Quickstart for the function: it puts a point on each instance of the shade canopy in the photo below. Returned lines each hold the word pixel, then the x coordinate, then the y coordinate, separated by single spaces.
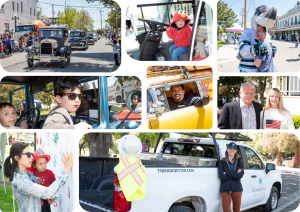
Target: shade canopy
pixel 235 29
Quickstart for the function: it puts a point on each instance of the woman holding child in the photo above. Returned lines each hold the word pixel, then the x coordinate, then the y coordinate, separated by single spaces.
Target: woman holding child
pixel 275 116
pixel 26 187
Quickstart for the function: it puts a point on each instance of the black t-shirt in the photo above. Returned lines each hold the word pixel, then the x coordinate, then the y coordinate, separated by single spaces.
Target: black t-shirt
pixel 188 101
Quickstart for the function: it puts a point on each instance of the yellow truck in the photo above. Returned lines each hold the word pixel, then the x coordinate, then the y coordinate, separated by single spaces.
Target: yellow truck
pixel 160 80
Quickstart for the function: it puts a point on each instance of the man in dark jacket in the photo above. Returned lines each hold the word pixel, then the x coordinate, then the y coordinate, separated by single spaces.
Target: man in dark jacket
pixel 179 100
pixel 242 114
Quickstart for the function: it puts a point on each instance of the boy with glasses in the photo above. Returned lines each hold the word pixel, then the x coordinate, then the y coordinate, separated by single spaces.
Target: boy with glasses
pixel 68 95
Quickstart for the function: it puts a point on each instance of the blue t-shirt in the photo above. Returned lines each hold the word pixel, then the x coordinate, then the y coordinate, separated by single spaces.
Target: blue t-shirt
pixel 267 64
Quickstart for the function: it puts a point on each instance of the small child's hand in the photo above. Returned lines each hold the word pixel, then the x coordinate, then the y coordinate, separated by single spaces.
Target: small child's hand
pixel 23 124
pixel 168 28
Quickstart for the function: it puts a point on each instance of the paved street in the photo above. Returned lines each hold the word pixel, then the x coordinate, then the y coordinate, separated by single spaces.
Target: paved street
pixel 286 59
pixel 98 58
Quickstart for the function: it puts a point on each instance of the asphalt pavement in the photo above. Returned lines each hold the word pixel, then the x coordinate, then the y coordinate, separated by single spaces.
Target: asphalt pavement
pixel 286 59
pixel 288 201
pixel 98 58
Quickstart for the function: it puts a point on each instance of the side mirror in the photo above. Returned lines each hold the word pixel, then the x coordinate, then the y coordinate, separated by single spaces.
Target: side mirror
pixel 131 125
pixel 134 101
pixel 158 107
pixel 270 167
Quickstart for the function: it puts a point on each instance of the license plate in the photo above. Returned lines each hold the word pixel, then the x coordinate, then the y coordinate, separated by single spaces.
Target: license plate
pixel 36 57
pixel 45 59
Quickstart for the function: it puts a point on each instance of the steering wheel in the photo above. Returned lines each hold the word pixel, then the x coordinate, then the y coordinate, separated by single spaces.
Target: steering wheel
pixel 153 24
pixel 30 123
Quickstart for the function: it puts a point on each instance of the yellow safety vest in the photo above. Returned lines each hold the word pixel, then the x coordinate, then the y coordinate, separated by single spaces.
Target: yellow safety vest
pixel 132 177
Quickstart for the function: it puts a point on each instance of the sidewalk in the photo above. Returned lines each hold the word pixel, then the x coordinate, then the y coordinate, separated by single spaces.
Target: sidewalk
pixel 284 169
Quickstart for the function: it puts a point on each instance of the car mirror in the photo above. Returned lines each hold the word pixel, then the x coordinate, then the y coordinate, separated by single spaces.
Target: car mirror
pixel 134 101
pixel 270 167
pixel 159 107
pixel 166 86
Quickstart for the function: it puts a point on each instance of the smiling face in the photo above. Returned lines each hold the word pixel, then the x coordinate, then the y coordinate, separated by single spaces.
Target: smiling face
pixel 8 116
pixel 260 33
pixel 247 95
pixel 180 23
pixel 231 152
pixel 177 93
pixel 23 160
pixel 135 99
pixel 40 164
pixel 274 99
pixel 69 105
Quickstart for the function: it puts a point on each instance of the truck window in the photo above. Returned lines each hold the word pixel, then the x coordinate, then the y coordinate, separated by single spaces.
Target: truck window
pixel 188 149
pixel 253 160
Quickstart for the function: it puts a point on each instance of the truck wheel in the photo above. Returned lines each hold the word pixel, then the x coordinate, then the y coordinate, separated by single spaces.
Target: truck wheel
pixel 272 201
pixel 29 62
pixel 181 208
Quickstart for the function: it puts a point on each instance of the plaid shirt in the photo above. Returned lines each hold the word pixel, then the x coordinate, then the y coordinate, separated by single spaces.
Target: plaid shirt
pixel 248 116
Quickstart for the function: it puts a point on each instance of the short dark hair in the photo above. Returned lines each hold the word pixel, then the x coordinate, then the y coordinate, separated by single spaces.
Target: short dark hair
pixel 6 104
pixel 204 40
pixel 264 28
pixel 65 83
pixel 114 42
pixel 177 85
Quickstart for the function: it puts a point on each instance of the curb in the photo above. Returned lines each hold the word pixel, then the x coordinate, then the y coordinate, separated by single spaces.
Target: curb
pixel 286 205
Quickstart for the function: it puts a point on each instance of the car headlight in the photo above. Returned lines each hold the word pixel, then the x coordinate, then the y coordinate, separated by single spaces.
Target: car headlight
pixel 55 46
pixel 36 45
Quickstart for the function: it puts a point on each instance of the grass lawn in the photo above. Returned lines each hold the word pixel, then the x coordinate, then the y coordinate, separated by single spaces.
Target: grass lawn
pixel 6 200
pixel 221 43
pixel 44 112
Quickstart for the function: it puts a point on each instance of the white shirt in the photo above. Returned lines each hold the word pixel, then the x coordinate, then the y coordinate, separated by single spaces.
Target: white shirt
pixel 273 119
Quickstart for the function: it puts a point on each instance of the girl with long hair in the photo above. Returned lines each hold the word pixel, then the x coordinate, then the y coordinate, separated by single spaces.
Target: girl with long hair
pixel 135 104
pixel 25 185
pixel 275 116
pixel 230 171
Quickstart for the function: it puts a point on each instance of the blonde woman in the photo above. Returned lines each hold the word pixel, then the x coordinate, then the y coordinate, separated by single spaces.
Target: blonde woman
pixel 275 116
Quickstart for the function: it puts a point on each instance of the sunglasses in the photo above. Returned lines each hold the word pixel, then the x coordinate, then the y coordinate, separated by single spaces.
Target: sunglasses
pixel 73 96
pixel 135 98
pixel 29 154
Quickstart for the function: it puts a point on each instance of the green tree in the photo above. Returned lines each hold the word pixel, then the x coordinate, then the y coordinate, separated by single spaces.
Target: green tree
pixel 86 86
pixel 225 16
pixel 152 137
pixel 39 12
pixel 106 3
pixel 17 96
pixel 290 144
pixel 47 97
pixel 123 79
pixel 67 17
pixel 83 21
pixel 230 85
pixel 111 20
pixel 261 84
pixel 100 31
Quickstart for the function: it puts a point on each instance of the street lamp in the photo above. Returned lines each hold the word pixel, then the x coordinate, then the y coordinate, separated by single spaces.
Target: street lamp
pixel 15 18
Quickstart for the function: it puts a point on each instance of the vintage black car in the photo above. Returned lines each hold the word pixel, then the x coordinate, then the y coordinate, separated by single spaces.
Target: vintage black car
pixel 52 45
pixel 90 37
pixel 78 40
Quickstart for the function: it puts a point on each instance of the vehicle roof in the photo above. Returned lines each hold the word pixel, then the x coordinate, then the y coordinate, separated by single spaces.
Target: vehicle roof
pixel 175 74
pixel 77 30
pixel 52 27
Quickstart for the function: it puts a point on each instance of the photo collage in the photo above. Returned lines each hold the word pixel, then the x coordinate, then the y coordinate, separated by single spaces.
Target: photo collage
pixel 149 106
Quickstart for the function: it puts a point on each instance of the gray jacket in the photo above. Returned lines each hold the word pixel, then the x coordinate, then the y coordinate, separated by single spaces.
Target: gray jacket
pixel 59 118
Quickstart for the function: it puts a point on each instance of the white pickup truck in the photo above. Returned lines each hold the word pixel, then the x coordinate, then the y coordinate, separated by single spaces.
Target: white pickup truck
pixel 183 177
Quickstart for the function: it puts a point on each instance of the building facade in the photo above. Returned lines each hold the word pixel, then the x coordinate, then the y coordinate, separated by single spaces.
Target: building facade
pixel 289 23
pixel 115 91
pixel 26 10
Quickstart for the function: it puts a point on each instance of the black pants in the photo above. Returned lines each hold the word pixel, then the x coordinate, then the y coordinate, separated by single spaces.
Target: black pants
pixel 46 207
pixel 9 49
pixel 116 59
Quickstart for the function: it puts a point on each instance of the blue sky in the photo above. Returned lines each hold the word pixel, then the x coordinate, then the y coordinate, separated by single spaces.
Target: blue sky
pixel 93 8
pixel 282 6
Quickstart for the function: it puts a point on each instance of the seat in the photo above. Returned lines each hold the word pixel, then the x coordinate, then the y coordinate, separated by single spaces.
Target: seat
pixel 185 56
pixel 40 124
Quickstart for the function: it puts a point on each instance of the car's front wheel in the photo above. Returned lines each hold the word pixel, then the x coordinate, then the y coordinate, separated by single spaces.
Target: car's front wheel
pixel 29 62
pixel 63 63
pixel 272 202
pixel 181 208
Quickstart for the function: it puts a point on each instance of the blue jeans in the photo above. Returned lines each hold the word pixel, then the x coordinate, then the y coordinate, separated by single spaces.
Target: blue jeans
pixel 297 43
pixel 176 51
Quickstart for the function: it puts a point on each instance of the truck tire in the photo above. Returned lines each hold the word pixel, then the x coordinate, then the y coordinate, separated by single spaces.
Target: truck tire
pixel 272 202
pixel 29 62
pixel 181 208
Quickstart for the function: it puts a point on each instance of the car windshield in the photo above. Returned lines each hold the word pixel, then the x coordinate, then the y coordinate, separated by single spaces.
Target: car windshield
pixel 24 28
pixel 76 34
pixel 50 33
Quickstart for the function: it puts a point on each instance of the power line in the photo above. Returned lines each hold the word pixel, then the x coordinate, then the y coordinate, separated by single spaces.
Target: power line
pixel 59 5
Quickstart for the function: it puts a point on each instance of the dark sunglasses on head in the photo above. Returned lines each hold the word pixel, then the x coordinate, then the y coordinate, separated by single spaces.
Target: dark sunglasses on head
pixel 29 154
pixel 73 96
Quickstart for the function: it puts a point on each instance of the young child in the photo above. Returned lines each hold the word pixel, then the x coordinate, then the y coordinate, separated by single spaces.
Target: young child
pixel 115 51
pixel 8 117
pixel 68 95
pixel 181 32
pixel 45 176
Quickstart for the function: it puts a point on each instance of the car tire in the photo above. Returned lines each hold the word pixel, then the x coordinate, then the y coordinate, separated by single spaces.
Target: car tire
pixel 272 202
pixel 69 59
pixel 181 208
pixel 30 62
pixel 62 63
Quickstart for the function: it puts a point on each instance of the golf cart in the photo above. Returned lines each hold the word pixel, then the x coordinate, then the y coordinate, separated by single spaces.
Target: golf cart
pixel 148 22
pixel 53 45
pixel 94 109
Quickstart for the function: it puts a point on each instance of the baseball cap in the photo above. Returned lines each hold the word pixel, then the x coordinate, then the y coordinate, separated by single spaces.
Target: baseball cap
pixel 232 145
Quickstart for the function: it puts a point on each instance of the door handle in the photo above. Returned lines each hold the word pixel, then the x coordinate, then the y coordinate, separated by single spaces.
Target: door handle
pixel 253 176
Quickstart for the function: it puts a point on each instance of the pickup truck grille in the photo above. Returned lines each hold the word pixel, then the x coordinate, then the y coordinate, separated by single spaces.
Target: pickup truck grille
pixel 46 48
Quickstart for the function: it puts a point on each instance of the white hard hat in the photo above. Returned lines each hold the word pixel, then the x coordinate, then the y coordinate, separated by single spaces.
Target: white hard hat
pixel 130 146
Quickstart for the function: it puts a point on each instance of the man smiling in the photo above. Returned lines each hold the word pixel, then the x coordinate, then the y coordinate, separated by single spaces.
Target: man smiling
pixel 179 100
